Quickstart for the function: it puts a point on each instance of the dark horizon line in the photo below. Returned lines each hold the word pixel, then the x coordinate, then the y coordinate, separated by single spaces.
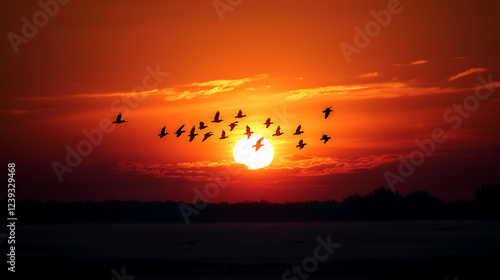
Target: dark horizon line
pixel 482 188
pixel 381 204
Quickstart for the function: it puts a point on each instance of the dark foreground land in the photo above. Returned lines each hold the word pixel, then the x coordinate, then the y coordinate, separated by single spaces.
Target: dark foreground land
pixel 368 250
pixel 381 204
pixel 382 235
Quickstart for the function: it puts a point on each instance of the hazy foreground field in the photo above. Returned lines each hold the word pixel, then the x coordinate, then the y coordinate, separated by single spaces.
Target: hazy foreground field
pixel 368 250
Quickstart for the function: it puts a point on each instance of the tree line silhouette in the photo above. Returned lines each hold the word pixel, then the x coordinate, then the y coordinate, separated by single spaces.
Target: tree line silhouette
pixel 381 204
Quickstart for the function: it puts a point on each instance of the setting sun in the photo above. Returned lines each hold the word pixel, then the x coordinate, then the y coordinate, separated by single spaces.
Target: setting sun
pixel 254 156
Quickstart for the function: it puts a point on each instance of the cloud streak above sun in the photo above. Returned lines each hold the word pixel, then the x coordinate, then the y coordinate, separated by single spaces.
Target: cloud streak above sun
pixel 418 62
pixel 353 91
pixel 366 91
pixel 467 72
pixel 205 89
pixel 370 75
pixel 177 92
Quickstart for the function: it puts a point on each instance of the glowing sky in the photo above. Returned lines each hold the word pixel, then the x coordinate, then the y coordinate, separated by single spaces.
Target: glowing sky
pixel 276 59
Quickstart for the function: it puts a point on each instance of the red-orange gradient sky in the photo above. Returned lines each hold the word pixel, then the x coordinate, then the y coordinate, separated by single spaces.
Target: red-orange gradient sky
pixel 268 58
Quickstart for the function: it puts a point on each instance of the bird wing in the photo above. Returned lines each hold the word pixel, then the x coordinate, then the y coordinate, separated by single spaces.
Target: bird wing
pixel 119 117
pixel 163 130
pixel 298 129
pixel 216 115
pixel 248 129
pixel 260 141
pixel 179 130
pixel 192 130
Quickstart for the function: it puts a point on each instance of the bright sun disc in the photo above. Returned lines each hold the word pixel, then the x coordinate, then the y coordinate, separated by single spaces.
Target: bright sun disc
pixel 244 153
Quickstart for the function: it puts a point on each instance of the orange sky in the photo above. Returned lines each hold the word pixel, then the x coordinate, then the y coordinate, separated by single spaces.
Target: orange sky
pixel 266 58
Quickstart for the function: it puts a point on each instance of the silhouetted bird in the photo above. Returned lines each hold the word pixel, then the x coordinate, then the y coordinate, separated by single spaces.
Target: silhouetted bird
pixel 223 136
pixel 278 132
pixel 180 131
pixel 191 134
pixel 248 133
pixel 327 111
pixel 301 144
pixel 258 144
pixel 119 119
pixel 216 118
pixel 232 125
pixel 202 126
pixel 163 133
pixel 325 138
pixel 189 242
pixel 268 122
pixel 298 132
pixel 208 134
pixel 240 115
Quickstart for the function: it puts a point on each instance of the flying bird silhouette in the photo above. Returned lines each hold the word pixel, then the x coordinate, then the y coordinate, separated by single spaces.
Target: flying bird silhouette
pixel 327 111
pixel 119 119
pixel 268 122
pixel 208 134
pixel 325 138
pixel 240 115
pixel 248 133
pixel 258 144
pixel 163 133
pixel 191 134
pixel 301 144
pixel 180 131
pixel 216 118
pixel 298 132
pixel 232 125
pixel 202 126
pixel 278 132
pixel 223 136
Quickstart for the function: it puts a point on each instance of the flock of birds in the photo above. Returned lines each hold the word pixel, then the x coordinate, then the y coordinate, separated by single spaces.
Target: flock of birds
pixel 232 125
